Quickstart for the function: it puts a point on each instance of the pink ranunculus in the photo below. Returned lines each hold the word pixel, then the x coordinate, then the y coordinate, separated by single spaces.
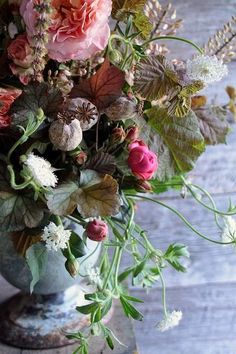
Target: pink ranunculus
pixel 79 29
pixel 142 162
pixel 19 51
pixel 97 230
pixel 21 54
pixel 7 97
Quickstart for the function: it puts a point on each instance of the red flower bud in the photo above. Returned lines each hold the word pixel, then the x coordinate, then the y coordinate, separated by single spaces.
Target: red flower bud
pixel 97 230
pixel 144 186
pixel 81 158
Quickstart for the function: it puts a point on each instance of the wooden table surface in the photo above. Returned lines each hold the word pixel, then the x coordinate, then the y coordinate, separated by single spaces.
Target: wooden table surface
pixel 207 292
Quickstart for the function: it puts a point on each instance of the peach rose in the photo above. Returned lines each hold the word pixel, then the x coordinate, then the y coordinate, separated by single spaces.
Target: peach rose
pixel 21 54
pixel 79 29
pixel 7 97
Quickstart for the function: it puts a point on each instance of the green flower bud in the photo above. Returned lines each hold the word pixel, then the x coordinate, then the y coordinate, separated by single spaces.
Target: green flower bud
pixel 72 266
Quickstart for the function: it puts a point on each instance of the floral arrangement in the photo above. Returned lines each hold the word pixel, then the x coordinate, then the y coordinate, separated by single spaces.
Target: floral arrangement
pixel 94 117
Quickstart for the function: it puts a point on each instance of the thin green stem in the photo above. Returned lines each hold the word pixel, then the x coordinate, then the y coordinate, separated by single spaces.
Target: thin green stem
pixel 200 50
pixel 13 180
pixel 114 260
pixel 163 291
pixel 183 219
pixel 204 204
pixel 117 267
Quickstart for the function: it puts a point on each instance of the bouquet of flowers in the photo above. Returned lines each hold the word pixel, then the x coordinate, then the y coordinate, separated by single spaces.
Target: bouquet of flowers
pixel 94 117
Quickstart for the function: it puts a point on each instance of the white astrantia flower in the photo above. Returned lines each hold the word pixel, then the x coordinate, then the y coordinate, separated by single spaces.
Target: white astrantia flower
pixel 171 320
pixel 206 69
pixel 41 171
pixel 55 237
pixel 229 231
pixel 93 275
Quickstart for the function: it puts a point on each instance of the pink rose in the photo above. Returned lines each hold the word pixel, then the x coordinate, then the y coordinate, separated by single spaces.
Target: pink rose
pixel 142 162
pixel 79 29
pixel 7 97
pixel 97 230
pixel 21 54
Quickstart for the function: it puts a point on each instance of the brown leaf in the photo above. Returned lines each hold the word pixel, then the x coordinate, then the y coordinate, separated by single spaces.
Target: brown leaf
pixel 99 199
pixel 23 240
pixel 121 7
pixel 155 77
pixel 213 124
pixel 102 88
pixel 102 162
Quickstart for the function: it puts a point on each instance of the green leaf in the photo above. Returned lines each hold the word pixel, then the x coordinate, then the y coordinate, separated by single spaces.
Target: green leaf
pixel 110 342
pixel 36 257
pixel 160 187
pixel 155 77
pixel 63 199
pixel 76 246
pixel 130 310
pixel 34 96
pixel 174 253
pixel 87 309
pixel 120 8
pixel 125 274
pixel 213 124
pixel 138 269
pixel 142 23
pixel 18 211
pixel 131 298
pixel 178 142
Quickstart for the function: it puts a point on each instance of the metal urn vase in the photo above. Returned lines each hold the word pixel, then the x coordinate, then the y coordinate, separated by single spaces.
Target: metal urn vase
pixel 42 319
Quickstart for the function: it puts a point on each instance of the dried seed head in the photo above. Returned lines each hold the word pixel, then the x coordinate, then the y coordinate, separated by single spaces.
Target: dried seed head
pixel 65 133
pixel 85 111
pixel 122 108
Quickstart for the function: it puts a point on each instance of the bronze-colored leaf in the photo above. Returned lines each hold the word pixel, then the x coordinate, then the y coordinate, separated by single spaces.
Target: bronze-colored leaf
pixel 103 88
pixel 213 124
pixel 155 77
pixel 102 162
pixel 100 198
pixel 23 240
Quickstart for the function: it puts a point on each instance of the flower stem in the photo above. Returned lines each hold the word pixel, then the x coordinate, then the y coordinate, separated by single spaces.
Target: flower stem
pixel 183 219
pixel 163 291
pixel 176 39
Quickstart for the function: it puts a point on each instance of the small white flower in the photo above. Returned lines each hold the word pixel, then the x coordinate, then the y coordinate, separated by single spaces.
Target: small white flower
pixel 94 275
pixel 206 69
pixel 55 237
pixel 171 320
pixel 229 231
pixel 41 171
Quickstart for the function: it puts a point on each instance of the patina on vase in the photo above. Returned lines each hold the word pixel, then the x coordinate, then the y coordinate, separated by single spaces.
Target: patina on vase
pixel 40 320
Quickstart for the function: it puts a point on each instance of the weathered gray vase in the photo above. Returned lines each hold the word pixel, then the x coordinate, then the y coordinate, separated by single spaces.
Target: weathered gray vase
pixel 40 320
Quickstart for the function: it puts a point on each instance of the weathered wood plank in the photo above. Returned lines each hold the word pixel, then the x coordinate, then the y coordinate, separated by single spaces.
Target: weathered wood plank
pixel 208 325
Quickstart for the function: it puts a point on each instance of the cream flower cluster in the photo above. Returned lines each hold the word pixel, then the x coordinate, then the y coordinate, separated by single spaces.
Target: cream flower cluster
pixel 229 231
pixel 41 171
pixel 55 237
pixel 206 69
pixel 171 320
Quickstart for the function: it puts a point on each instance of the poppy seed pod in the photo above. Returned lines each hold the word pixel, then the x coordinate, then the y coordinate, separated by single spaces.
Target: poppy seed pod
pixel 65 135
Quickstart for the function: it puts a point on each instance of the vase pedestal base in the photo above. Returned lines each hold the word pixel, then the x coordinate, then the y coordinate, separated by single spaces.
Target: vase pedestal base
pixel 41 321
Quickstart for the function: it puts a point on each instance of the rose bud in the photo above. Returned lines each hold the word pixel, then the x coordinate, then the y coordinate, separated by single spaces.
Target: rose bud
pixel 97 230
pixel 122 108
pixel 81 158
pixel 143 186
pixel 72 267
pixel 118 136
pixel 142 162
pixel 132 134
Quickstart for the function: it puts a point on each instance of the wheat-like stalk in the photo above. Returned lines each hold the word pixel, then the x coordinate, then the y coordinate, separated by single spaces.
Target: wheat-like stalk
pixel 223 43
